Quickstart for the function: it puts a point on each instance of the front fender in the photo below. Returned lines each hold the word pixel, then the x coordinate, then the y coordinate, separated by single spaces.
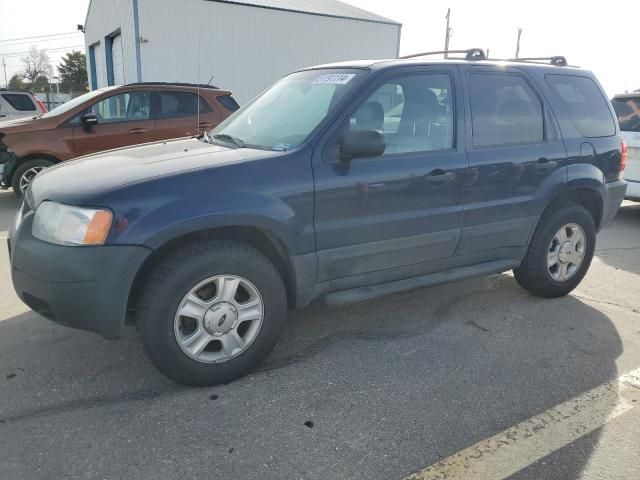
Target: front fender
pixel 179 216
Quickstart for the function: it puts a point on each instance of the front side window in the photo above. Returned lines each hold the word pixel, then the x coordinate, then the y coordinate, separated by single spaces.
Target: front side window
pixel 182 104
pixel 284 115
pixel 587 106
pixel 123 107
pixel 413 112
pixel 628 113
pixel 504 111
pixel 20 101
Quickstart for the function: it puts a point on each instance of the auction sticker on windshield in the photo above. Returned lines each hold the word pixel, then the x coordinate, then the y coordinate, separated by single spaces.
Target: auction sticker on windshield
pixel 333 79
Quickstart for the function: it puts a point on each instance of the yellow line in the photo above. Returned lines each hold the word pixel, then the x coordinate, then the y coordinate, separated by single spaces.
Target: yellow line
pixel 512 450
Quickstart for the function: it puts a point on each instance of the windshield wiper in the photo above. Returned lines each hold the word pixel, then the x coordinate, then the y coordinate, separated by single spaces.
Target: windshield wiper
pixel 230 139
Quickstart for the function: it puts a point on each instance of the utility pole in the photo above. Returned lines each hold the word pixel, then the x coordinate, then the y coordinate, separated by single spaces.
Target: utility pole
pixel 4 67
pixel 447 35
pixel 518 44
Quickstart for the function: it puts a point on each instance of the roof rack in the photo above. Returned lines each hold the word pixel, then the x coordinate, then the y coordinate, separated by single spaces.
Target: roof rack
pixel 558 61
pixel 469 54
pixel 175 84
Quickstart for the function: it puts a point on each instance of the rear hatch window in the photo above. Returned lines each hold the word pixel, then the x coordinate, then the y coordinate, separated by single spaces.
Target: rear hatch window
pixel 587 106
pixel 20 101
pixel 628 113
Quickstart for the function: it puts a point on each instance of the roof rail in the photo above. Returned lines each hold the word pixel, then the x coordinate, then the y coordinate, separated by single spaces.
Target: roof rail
pixel 558 61
pixel 469 54
pixel 175 84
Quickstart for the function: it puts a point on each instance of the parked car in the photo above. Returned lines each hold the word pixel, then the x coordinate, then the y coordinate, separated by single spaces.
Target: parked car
pixel 104 119
pixel 627 107
pixel 19 104
pixel 309 191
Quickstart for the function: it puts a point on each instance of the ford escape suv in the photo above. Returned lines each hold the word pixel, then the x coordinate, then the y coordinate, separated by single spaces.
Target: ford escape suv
pixel 342 181
pixel 107 118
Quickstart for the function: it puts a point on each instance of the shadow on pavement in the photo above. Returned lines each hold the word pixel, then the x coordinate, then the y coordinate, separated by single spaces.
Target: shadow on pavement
pixel 622 238
pixel 391 386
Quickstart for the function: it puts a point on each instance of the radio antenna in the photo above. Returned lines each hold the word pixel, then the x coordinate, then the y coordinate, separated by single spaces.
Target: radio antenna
pixel 198 83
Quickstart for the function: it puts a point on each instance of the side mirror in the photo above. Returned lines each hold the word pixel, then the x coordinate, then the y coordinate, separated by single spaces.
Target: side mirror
pixel 361 144
pixel 88 120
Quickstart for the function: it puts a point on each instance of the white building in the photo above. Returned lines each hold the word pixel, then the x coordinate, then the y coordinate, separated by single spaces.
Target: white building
pixel 245 45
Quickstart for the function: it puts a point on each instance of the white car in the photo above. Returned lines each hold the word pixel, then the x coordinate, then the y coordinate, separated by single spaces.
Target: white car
pixel 19 104
pixel 627 107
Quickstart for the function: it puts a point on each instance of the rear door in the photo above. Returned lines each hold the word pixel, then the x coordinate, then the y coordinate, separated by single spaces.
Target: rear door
pixel 123 119
pixel 178 115
pixel 515 156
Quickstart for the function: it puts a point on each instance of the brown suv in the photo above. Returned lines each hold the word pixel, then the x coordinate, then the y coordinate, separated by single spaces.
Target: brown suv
pixel 108 118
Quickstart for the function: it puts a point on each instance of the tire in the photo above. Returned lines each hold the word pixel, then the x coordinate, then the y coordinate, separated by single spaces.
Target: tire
pixel 27 169
pixel 534 274
pixel 161 329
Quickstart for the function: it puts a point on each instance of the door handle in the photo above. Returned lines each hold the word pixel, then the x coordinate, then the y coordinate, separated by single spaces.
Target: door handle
pixel 544 164
pixel 137 131
pixel 439 176
pixel 204 125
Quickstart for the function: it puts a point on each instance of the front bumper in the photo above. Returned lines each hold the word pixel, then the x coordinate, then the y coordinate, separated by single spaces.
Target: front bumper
pixel 614 193
pixel 81 287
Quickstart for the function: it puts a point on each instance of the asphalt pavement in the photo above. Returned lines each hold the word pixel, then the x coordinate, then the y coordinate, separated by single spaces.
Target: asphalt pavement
pixel 378 390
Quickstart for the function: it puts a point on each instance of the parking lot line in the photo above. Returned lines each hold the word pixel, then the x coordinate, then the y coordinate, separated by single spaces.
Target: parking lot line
pixel 517 447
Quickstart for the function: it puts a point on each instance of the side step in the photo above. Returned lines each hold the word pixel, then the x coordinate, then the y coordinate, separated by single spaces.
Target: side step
pixel 372 291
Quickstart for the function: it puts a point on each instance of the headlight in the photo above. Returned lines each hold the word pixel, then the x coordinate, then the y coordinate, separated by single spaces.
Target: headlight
pixel 68 225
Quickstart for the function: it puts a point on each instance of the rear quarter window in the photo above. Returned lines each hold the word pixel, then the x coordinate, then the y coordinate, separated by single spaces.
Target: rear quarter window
pixel 20 101
pixel 229 102
pixel 587 106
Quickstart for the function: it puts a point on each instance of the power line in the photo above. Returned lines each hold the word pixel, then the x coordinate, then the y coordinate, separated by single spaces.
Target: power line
pixel 17 54
pixel 38 36
pixel 58 39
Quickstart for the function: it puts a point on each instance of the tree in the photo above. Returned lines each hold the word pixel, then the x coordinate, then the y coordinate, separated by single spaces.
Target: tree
pixel 16 83
pixel 41 84
pixel 73 72
pixel 36 64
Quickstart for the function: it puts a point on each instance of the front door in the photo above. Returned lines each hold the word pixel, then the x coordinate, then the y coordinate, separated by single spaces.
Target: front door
pixel 123 119
pixel 515 157
pixel 402 208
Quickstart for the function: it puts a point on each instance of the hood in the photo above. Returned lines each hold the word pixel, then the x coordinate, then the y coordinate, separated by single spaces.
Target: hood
pixel 81 179
pixel 27 124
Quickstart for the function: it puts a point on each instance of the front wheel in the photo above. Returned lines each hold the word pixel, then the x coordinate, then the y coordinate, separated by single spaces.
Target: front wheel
pixel 560 252
pixel 212 312
pixel 25 172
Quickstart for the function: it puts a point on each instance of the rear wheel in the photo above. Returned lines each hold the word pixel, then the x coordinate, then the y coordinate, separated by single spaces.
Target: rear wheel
pixel 560 252
pixel 25 172
pixel 212 312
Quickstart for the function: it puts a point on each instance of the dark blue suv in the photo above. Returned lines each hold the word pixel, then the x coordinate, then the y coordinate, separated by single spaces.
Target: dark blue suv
pixel 344 181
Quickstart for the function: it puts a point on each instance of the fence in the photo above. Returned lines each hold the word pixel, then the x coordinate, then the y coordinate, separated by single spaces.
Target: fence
pixel 54 99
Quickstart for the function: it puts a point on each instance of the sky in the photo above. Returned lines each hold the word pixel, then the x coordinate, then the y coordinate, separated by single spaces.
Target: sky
pixel 600 36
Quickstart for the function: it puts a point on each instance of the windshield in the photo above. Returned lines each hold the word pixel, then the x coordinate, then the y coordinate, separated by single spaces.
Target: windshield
pixel 628 113
pixel 284 115
pixel 71 104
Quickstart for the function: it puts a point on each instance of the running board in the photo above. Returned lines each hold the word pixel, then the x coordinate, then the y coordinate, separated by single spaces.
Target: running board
pixel 372 291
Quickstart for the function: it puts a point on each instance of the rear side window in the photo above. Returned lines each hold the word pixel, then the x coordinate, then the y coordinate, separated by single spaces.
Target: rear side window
pixel 504 111
pixel 628 113
pixel 20 101
pixel 229 102
pixel 587 106
pixel 182 104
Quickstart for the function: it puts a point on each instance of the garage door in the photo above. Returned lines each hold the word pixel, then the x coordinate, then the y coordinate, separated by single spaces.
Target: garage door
pixel 116 58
